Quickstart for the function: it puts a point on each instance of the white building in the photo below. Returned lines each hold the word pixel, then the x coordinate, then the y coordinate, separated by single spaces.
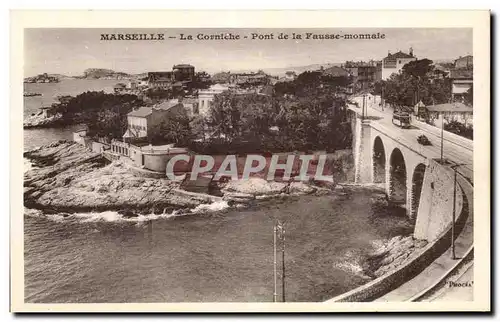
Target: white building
pixel 451 112
pixel 205 97
pixel 393 63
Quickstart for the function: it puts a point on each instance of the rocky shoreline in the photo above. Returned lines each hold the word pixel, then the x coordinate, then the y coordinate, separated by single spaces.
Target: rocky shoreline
pixel 66 177
pixel 39 121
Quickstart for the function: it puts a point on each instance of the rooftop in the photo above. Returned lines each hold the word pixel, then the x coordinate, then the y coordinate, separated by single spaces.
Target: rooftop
pixel 399 54
pixel 336 71
pixel 167 105
pixel 183 66
pixel 461 74
pixel 450 107
pixel 141 112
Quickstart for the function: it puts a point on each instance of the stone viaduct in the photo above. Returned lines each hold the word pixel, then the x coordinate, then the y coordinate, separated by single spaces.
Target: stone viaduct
pixel 410 176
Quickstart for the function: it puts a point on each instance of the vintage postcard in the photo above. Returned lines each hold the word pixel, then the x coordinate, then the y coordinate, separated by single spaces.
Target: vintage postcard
pixel 232 161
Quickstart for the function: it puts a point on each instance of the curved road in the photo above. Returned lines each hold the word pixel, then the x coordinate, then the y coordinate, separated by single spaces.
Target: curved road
pixel 453 152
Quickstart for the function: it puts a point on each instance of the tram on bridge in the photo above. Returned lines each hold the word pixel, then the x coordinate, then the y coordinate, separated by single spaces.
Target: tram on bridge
pixel 401 119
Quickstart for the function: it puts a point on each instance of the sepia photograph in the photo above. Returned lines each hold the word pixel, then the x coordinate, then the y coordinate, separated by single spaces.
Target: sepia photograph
pixel 251 165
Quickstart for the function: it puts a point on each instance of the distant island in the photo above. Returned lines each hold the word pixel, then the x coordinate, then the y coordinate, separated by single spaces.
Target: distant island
pixel 101 73
pixel 44 78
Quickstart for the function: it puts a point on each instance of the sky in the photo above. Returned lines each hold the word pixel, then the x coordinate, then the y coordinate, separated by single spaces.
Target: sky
pixel 71 51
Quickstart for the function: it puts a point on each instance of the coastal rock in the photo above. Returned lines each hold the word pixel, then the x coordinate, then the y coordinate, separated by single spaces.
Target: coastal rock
pixel 302 188
pixel 392 254
pixel 71 178
pixel 254 186
pixel 258 188
pixel 38 120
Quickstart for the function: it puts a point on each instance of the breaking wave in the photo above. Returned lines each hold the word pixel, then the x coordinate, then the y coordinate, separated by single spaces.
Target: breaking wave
pixel 115 216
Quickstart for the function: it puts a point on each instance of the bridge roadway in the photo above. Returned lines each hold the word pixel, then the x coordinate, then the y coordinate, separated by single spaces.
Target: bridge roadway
pixel 453 151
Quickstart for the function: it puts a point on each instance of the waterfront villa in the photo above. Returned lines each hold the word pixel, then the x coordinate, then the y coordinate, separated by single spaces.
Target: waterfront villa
pixel 142 122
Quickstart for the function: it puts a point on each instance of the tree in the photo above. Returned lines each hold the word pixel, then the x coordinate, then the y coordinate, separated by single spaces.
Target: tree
pixel 224 116
pixel 418 68
pixel 416 83
pixel 174 130
pixel 104 113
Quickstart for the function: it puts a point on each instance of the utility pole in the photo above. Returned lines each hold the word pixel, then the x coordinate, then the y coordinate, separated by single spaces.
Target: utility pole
pixel 382 99
pixel 275 295
pixel 283 259
pixel 442 133
pixel 453 214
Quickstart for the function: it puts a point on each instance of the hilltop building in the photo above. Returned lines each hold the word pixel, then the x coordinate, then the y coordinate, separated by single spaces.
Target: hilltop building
pixel 461 77
pixel 363 73
pixel 160 79
pixel 466 62
pixel 290 75
pixel 119 88
pixel 183 72
pixel 259 78
pixel 393 63
pixel 205 97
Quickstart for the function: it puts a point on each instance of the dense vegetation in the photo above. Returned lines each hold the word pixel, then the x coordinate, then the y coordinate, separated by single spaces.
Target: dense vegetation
pixel 301 115
pixel 305 114
pixel 460 129
pixel 105 114
pixel 418 81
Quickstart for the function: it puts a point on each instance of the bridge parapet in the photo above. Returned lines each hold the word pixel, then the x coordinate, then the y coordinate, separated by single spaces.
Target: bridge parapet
pixel 410 175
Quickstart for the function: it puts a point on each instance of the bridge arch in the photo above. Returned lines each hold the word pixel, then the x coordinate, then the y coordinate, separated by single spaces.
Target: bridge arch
pixel 416 190
pixel 397 178
pixel 378 160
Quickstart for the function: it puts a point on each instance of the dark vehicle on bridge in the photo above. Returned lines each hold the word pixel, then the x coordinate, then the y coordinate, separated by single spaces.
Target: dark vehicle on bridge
pixel 401 119
pixel 422 139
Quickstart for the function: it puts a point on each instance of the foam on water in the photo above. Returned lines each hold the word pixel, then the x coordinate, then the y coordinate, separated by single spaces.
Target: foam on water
pixel 114 216
pixel 351 263
pixel 57 218
pixel 212 207
pixel 32 212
